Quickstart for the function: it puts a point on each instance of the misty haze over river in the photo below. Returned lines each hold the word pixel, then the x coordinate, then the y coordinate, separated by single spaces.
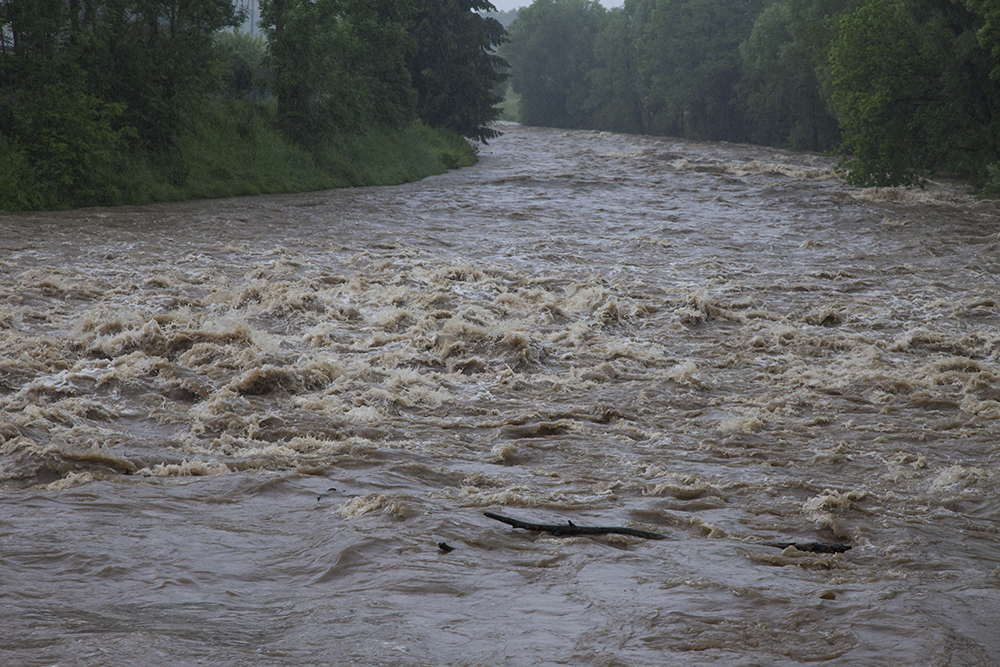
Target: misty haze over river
pixel 235 431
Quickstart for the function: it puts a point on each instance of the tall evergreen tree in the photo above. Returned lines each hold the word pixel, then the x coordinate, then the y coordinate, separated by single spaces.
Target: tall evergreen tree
pixel 454 65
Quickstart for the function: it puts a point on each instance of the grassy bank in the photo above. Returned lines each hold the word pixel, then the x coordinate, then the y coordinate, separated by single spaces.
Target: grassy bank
pixel 224 148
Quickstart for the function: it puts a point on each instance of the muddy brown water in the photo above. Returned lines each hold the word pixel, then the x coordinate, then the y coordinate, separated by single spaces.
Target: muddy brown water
pixel 234 432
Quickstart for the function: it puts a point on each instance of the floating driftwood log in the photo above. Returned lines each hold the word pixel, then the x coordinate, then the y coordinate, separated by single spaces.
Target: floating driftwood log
pixel 570 529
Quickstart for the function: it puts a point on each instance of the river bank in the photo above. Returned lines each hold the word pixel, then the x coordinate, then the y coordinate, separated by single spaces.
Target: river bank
pixel 229 148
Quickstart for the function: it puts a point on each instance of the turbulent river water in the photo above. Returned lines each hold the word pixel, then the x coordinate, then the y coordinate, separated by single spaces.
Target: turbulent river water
pixel 234 432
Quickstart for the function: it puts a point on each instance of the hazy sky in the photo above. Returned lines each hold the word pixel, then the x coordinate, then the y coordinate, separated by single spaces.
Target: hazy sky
pixel 504 5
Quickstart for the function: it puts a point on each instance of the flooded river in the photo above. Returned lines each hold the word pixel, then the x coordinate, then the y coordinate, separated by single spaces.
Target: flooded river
pixel 235 432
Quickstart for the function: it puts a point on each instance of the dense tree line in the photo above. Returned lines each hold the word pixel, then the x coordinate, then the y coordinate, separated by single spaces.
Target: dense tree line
pixel 897 87
pixel 84 82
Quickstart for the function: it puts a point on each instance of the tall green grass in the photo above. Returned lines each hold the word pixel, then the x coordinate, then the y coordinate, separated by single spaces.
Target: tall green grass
pixel 389 157
pixel 230 147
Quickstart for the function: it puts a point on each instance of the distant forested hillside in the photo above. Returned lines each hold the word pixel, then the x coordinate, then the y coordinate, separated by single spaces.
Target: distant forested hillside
pixel 106 102
pixel 899 88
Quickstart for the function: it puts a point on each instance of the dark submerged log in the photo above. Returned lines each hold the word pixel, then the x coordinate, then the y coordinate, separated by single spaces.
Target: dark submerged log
pixel 570 529
pixel 814 547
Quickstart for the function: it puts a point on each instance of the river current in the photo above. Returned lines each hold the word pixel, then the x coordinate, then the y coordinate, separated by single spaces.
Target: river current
pixel 235 432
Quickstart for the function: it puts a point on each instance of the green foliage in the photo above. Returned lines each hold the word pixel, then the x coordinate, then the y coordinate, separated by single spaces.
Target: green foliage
pixel 345 64
pixel 691 60
pixel 913 92
pixel 551 52
pixel 988 33
pixel 616 99
pixel 232 147
pixel 242 71
pixel 878 82
pixel 662 66
pixel 781 89
pixel 510 108
pixel 114 101
pixel 140 57
pixel 991 186
pixel 67 139
pixel 151 57
pixel 309 46
pixel 17 182
pixel 378 60
pixel 454 67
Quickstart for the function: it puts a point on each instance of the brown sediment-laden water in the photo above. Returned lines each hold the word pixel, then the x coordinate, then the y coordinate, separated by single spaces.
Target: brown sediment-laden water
pixel 235 432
